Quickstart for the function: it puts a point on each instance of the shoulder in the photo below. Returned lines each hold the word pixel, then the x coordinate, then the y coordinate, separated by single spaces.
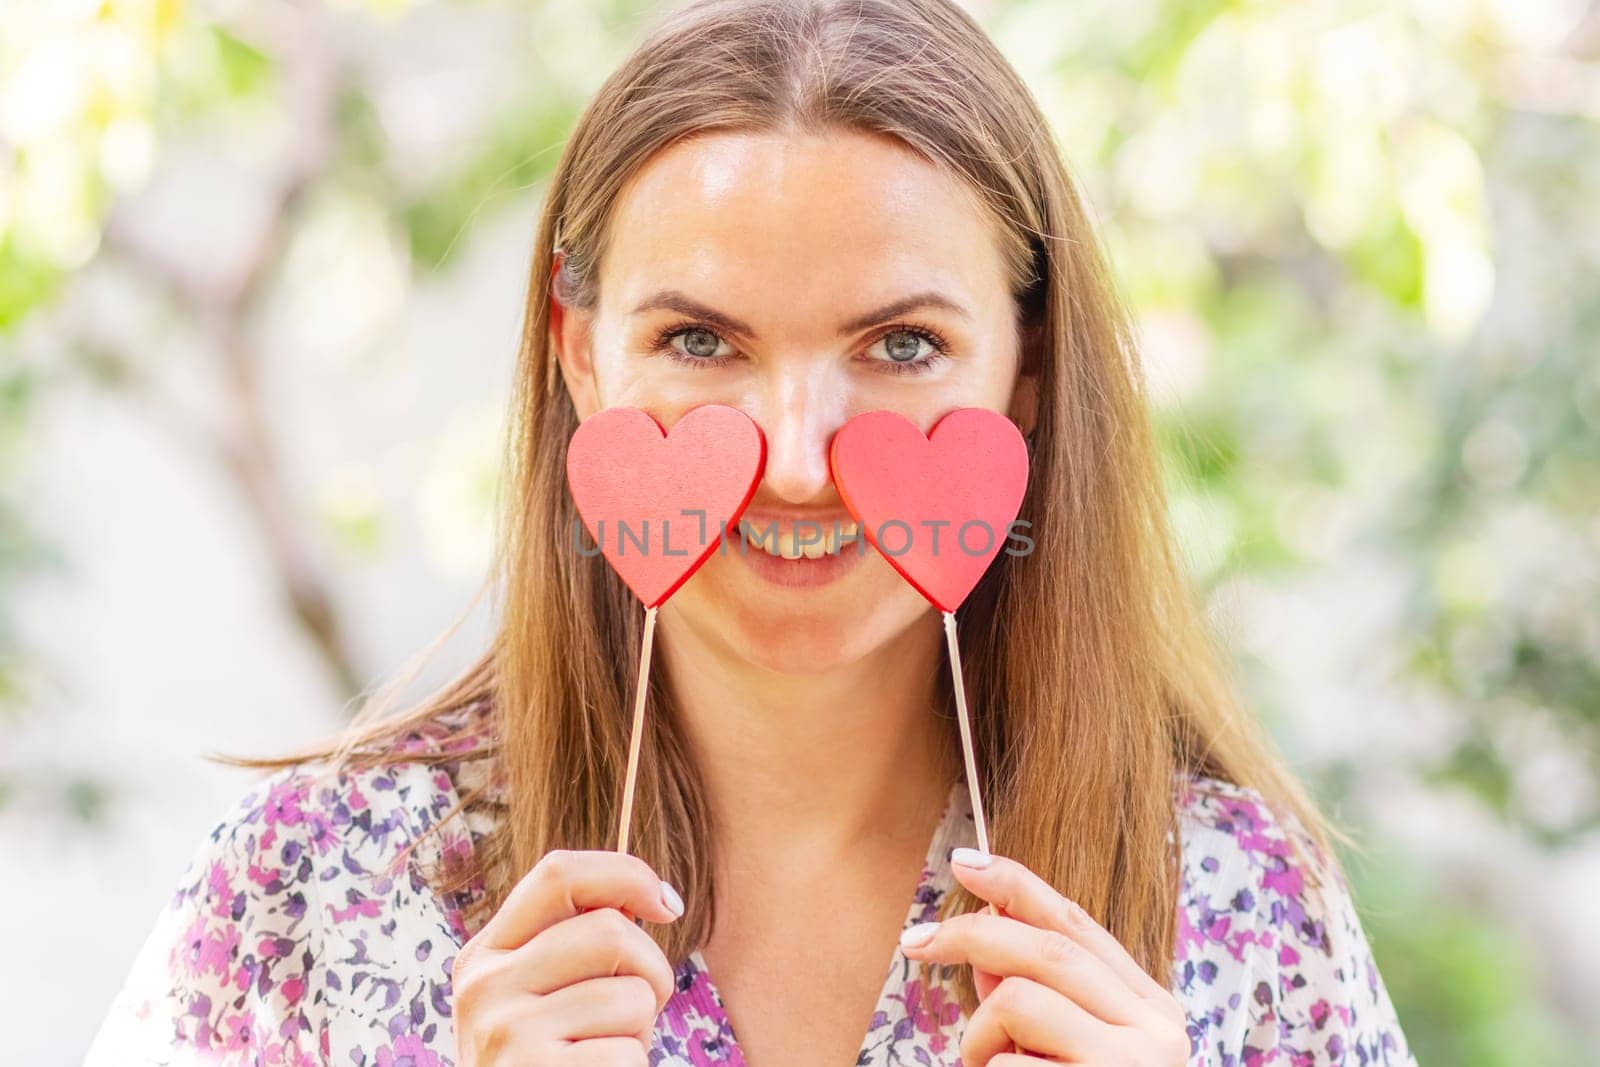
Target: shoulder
pixel 1271 957
pixel 356 836
pixel 1246 876
pixel 1231 831
pixel 301 819
pixel 359 816
pixel 297 876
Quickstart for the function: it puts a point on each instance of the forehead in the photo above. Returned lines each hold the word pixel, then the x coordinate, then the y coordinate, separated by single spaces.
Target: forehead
pixel 793 220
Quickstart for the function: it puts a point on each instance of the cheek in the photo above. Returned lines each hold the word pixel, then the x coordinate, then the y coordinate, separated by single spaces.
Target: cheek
pixel 663 388
pixel 641 383
pixel 965 383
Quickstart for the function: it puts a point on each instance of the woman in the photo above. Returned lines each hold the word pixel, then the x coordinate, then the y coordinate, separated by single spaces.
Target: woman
pixel 805 210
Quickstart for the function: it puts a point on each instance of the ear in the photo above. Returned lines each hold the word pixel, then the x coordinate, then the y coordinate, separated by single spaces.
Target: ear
pixel 570 340
pixel 1024 409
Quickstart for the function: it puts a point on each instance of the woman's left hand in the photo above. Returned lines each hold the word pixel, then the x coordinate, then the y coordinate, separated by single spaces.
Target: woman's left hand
pixel 1051 979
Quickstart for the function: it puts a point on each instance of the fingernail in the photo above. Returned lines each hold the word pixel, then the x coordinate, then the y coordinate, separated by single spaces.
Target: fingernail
pixel 970 857
pixel 670 897
pixel 919 934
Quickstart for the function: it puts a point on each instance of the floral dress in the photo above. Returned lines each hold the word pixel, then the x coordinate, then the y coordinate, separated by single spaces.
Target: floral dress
pixel 293 937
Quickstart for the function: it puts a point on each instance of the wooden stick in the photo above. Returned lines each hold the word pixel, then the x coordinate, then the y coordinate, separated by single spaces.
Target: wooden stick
pixel 966 735
pixel 966 750
pixel 641 690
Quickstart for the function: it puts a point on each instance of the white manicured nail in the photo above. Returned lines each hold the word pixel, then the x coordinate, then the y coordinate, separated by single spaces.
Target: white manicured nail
pixel 970 857
pixel 919 934
pixel 670 897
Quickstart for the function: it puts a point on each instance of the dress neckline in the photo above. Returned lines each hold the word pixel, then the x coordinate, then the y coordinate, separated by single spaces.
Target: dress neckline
pixel 955 828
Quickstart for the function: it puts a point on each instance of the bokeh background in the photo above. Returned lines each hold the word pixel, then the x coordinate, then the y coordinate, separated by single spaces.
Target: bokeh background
pixel 261 271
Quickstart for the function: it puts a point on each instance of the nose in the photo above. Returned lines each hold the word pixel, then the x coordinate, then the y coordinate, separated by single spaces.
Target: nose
pixel 799 410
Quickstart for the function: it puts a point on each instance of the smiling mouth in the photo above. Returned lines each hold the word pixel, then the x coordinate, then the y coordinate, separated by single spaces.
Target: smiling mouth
pixel 802 541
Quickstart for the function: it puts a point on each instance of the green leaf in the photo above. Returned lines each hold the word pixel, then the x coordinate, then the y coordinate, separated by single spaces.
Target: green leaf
pixel 245 70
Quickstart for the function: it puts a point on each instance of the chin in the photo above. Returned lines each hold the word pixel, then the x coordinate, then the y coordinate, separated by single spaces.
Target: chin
pixel 816 642
pixel 802 631
pixel 808 645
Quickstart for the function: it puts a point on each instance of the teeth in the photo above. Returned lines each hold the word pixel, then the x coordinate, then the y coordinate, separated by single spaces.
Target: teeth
pixel 787 545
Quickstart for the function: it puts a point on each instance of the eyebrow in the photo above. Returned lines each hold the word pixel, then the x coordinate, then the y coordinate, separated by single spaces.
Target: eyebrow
pixel 674 300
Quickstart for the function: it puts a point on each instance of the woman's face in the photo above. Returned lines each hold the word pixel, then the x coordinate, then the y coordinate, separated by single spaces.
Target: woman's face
pixel 803 279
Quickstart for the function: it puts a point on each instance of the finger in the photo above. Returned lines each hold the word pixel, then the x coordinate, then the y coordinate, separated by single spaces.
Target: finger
pixel 618 1006
pixel 617 1050
pixel 1026 896
pixel 1006 946
pixel 1038 1020
pixel 564 883
pixel 596 944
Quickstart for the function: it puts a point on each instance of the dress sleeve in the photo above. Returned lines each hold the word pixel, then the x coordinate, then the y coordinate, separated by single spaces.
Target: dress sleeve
pixel 231 971
pixel 1318 998
pixel 1332 1002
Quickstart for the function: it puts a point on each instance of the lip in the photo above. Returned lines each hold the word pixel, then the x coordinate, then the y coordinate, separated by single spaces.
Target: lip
pixel 802 573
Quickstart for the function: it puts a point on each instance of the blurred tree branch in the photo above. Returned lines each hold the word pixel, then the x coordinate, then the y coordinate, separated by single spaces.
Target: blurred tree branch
pixel 224 307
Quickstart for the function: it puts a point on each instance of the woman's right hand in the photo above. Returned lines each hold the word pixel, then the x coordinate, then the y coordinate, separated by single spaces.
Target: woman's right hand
pixel 561 974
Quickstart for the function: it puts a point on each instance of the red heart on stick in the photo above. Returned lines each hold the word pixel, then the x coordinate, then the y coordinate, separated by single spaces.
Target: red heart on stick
pixel 938 508
pixel 657 503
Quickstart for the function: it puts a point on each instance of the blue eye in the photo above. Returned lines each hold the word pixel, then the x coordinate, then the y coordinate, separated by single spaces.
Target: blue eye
pixel 694 345
pixel 910 349
pixel 699 343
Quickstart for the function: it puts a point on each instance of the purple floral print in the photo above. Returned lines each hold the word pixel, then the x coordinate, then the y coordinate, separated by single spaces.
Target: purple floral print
pixel 295 938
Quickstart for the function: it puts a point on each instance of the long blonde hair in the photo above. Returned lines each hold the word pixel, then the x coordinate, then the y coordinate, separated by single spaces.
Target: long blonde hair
pixel 1093 680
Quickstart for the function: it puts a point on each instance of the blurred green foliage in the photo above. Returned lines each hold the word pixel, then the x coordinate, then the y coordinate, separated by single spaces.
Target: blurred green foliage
pixel 1468 991
pixel 1358 236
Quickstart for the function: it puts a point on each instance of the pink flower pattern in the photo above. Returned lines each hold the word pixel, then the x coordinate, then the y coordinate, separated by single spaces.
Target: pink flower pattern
pixel 294 937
